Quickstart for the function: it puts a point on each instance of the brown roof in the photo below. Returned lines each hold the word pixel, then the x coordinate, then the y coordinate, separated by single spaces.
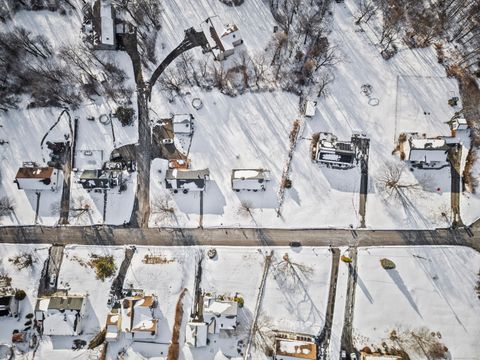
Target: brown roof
pixel 296 348
pixel 34 173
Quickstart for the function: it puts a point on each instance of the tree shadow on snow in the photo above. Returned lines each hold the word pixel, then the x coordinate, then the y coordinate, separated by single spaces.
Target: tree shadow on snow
pixel 397 279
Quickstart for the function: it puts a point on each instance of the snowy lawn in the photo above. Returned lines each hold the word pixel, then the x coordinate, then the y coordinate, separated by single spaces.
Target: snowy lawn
pixel 79 277
pixel 431 287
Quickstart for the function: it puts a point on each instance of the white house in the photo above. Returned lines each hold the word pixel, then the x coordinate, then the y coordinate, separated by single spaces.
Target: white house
pixel 426 152
pixel 293 346
pixel 250 179
pixel 37 178
pixel 60 314
pixel 219 314
pixel 182 124
pixel 186 180
pixel 222 38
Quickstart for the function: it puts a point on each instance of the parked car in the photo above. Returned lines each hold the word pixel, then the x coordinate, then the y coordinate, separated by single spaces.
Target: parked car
pixel 343 354
pixel 294 244
pixel 353 356
pixel 52 280
pixel 167 141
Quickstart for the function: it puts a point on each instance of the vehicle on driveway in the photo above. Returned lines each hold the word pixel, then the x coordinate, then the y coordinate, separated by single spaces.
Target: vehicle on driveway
pixel 52 280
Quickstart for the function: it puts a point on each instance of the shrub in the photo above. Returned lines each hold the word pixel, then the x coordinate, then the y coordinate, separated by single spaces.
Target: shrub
pixel 104 266
pixel 125 115
pixel 239 300
pixel 20 294
pixel 287 183
pixel 387 264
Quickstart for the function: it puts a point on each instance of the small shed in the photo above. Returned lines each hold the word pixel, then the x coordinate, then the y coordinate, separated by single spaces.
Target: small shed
pixel 104 25
pixel 310 107
pixel 250 179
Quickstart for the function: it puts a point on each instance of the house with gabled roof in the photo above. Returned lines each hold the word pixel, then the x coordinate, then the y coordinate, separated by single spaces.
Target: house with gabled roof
pixel 250 179
pixel 60 314
pixel 222 38
pixel 34 177
pixel 294 346
pixel 186 180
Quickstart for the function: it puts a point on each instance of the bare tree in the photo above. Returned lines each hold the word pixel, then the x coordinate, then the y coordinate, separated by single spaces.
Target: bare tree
pixel 325 79
pixel 7 206
pixel 366 10
pixel 291 273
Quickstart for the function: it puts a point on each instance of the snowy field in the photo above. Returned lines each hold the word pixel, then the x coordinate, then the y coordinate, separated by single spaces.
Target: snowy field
pixel 252 130
pixel 431 287
pixel 25 128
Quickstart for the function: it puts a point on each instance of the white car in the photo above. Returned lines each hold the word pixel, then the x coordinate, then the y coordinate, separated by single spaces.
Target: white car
pixel 167 141
pixel 53 280
pixel 353 356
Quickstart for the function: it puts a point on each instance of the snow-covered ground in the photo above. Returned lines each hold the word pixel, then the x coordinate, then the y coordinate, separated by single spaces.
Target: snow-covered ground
pixel 251 130
pixel 431 287
pixel 26 279
pixel 78 277
pixel 288 304
pixel 25 128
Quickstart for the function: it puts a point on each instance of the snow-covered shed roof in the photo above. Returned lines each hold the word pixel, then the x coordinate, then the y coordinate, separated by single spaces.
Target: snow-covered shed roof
pixel 107 22
pixel 177 174
pixel 182 123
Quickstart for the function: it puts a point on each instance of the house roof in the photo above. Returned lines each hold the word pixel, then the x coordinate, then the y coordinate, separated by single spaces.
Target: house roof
pixel 107 23
pixel 220 307
pixel 295 349
pixel 196 334
pixel 60 323
pixel 34 173
pixel 66 302
pixel 250 174
pixel 177 174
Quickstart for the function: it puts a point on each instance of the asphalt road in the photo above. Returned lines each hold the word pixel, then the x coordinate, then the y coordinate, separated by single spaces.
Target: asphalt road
pixel 108 235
